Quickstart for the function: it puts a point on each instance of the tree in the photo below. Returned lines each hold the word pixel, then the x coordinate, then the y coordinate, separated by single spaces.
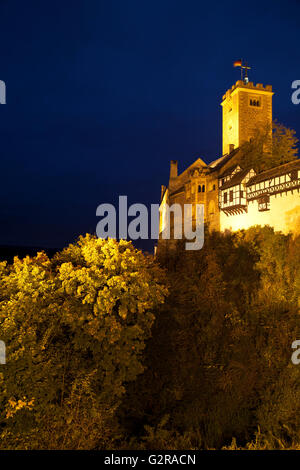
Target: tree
pixel 269 148
pixel 75 328
pixel 225 335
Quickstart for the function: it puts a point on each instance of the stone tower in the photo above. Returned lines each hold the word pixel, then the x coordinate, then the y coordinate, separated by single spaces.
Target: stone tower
pixel 246 107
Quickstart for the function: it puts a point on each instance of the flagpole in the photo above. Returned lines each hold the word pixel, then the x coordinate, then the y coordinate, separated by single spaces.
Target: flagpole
pixel 244 69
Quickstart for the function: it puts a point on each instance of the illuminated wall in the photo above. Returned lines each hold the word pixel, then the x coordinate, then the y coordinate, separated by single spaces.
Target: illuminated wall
pixel 246 107
pixel 284 214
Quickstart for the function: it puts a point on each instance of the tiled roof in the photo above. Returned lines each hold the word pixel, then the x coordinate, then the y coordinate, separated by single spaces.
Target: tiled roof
pixel 228 170
pixel 236 179
pixel 177 191
pixel 217 164
pixel 277 171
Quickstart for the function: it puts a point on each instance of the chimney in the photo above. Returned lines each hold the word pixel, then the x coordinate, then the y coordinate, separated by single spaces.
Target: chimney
pixel 231 148
pixel 174 169
pixel 173 172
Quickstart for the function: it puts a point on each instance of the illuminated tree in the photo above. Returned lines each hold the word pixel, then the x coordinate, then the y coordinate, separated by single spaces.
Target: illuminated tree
pixel 75 328
pixel 269 148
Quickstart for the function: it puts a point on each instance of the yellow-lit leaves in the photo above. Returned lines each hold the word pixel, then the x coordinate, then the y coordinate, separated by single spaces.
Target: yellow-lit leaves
pixel 86 313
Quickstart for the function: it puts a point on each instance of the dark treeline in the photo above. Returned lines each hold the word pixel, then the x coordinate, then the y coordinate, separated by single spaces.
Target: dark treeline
pixel 110 349
pixel 219 368
pixel 8 252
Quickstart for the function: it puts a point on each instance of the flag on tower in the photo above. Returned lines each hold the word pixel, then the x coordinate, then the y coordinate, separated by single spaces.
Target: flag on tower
pixel 237 63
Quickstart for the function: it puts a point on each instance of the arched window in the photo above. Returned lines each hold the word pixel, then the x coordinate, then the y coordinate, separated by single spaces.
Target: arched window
pixel 203 188
pixel 254 102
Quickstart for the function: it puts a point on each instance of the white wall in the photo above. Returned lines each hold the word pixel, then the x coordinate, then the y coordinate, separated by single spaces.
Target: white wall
pixel 284 214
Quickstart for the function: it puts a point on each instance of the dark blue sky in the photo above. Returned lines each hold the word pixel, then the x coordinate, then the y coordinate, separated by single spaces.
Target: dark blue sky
pixel 101 95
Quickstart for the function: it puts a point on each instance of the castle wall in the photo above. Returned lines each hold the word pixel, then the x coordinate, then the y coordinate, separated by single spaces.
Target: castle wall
pixel 253 117
pixel 230 122
pixel 212 214
pixel 284 214
pixel 241 117
pixel 246 108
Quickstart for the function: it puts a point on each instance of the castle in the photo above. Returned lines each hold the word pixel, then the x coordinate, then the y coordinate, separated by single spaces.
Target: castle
pixel 237 198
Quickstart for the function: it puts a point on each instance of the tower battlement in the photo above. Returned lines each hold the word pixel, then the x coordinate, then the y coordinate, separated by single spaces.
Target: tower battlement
pixel 247 86
pixel 246 108
pixel 234 197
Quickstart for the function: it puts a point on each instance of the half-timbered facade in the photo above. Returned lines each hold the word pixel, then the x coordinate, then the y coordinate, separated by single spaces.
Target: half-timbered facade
pixel 271 198
pixel 236 198
pixel 233 191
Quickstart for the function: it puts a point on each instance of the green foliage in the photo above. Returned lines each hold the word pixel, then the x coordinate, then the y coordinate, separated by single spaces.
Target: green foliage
pixel 75 328
pixel 100 356
pixel 269 148
pixel 284 144
pixel 225 333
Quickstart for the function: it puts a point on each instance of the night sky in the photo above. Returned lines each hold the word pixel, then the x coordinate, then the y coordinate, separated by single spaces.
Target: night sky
pixel 101 95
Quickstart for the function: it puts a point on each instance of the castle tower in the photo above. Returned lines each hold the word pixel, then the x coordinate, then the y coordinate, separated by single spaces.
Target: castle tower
pixel 246 107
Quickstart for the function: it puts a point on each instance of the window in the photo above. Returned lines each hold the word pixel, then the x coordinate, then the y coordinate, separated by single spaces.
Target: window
pixel 201 188
pixel 241 194
pixel 230 196
pixel 225 198
pixel 264 203
pixel 214 187
pixel 255 102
